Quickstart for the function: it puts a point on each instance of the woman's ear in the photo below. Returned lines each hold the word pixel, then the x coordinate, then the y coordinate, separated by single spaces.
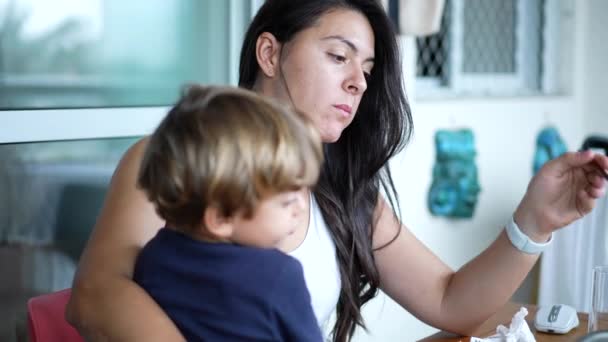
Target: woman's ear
pixel 217 224
pixel 267 52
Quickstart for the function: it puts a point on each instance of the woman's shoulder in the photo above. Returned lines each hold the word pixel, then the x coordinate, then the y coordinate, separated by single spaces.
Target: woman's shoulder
pixel 136 152
pixel 128 166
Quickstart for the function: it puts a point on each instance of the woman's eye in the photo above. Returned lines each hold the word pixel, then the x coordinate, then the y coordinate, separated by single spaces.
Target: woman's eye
pixel 367 76
pixel 338 58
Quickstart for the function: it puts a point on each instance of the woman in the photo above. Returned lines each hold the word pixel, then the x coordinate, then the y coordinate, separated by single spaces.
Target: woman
pixel 337 61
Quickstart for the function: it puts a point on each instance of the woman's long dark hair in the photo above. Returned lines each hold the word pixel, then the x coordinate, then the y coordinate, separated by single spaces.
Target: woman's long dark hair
pixel 356 166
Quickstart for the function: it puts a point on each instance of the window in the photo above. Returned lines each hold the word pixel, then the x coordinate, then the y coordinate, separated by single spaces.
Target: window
pixel 36 176
pixel 89 64
pixel 490 47
pixel 51 195
pixel 80 81
pixel 112 53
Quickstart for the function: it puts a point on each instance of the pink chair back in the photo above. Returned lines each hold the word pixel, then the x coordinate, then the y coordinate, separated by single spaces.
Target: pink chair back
pixel 46 318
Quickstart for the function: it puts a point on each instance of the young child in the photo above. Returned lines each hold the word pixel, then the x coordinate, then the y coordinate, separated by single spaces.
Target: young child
pixel 228 170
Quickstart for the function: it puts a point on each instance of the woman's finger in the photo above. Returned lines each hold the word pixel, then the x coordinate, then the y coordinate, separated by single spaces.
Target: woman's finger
pixel 595 192
pixel 600 164
pixel 570 160
pixel 585 202
pixel 599 181
pixel 601 161
pixel 595 178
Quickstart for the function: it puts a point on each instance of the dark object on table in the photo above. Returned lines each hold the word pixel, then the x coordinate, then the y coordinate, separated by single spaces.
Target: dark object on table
pixel 596 336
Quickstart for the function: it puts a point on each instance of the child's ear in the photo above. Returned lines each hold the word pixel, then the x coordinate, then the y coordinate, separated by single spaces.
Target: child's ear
pixel 218 224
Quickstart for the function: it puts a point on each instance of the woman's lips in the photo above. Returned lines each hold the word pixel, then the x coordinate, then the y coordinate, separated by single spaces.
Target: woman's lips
pixel 346 109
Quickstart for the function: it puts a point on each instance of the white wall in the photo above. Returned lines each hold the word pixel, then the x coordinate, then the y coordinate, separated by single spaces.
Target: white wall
pixel 594 73
pixel 505 132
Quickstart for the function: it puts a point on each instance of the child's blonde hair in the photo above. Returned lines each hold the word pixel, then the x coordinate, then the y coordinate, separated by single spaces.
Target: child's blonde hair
pixel 227 148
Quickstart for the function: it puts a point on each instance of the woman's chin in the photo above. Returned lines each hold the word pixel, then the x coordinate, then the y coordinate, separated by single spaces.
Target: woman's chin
pixel 331 136
pixel 328 139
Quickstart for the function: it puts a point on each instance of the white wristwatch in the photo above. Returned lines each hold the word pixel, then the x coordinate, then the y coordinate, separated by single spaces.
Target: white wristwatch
pixel 522 242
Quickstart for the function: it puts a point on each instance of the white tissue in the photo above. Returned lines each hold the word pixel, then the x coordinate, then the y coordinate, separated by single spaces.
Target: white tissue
pixel 518 331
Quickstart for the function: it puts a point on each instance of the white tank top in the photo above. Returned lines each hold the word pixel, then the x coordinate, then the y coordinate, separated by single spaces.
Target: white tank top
pixel 317 254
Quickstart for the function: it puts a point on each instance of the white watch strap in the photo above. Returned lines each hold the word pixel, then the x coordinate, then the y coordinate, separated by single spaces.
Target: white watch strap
pixel 522 242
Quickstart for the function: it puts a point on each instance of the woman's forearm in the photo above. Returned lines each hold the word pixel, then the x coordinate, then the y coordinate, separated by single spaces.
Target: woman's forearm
pixel 482 286
pixel 106 304
pixel 564 190
pixel 459 302
pixel 118 311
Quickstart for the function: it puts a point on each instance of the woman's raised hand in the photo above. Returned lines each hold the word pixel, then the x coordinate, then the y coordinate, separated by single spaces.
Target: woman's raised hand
pixel 564 190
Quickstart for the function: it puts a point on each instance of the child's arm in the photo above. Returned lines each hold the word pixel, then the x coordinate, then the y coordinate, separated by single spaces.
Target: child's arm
pixel 295 316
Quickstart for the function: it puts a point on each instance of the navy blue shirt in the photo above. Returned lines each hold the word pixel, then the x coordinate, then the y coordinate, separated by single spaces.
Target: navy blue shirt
pixel 227 292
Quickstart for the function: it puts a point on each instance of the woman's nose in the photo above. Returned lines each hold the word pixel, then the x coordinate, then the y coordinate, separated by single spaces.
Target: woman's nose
pixel 357 83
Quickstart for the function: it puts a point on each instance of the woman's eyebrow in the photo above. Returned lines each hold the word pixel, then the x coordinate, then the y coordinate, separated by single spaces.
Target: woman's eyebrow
pixel 348 43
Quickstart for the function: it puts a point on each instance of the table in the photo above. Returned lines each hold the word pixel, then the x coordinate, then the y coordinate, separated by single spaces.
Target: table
pixel 504 315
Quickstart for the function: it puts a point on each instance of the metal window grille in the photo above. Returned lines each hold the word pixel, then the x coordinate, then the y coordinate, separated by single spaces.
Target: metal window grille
pixel 486 47
pixel 489 36
pixel 432 61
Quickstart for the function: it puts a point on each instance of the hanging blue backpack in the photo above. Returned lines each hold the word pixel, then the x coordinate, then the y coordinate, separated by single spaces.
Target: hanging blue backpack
pixel 455 185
